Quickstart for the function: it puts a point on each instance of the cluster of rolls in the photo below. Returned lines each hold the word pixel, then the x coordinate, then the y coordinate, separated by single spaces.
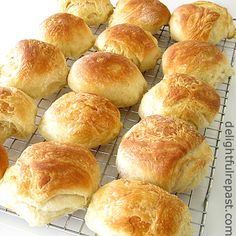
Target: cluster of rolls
pixel 164 153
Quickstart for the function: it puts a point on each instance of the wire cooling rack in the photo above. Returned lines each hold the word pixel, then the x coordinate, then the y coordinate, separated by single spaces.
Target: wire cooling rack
pixel 197 200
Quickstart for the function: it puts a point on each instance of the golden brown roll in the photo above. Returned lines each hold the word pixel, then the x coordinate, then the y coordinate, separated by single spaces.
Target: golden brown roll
pixel 132 42
pixel 17 114
pixel 150 15
pixel 82 118
pixel 124 207
pixel 198 59
pixel 3 161
pixel 49 180
pixel 110 75
pixel 164 151
pixel 201 21
pixel 35 67
pixel 93 12
pixel 67 32
pixel 182 96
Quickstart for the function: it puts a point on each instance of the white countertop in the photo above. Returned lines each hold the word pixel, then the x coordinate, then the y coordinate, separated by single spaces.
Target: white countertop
pixel 18 20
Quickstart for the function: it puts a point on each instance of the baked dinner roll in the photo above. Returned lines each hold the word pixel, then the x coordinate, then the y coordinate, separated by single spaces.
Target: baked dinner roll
pixel 82 118
pixel 49 180
pixel 17 114
pixel 67 32
pixel 110 75
pixel 135 208
pixel 202 21
pixel 3 161
pixel 198 59
pixel 164 151
pixel 93 12
pixel 150 15
pixel 132 42
pixel 182 96
pixel 37 68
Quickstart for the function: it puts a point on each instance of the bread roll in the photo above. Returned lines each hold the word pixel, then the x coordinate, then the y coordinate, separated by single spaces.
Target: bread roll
pixel 67 32
pixel 133 208
pixel 93 12
pixel 132 42
pixel 150 15
pixel 49 180
pixel 37 68
pixel 164 151
pixel 182 96
pixel 201 21
pixel 3 161
pixel 110 75
pixel 17 114
pixel 198 59
pixel 81 118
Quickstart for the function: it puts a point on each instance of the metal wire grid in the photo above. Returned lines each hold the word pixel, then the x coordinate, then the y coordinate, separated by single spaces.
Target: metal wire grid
pixel 197 200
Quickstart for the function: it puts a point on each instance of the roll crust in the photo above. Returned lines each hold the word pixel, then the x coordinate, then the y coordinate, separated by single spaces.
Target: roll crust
pixel 17 114
pixel 132 42
pixel 82 118
pixel 150 15
pixel 67 32
pixel 110 75
pixel 201 21
pixel 93 12
pixel 201 60
pixel 164 151
pixel 3 161
pixel 182 96
pixel 35 67
pixel 124 207
pixel 49 180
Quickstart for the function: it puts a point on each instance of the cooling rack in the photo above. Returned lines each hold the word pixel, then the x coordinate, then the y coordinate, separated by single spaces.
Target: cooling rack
pixel 197 200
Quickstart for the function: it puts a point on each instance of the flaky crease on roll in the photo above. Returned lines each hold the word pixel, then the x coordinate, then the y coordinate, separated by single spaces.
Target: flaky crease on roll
pixel 166 152
pixel 150 15
pixel 93 12
pixel 49 180
pixel 67 32
pixel 132 42
pixel 201 60
pixel 202 21
pixel 125 207
pixel 182 96
pixel 17 114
